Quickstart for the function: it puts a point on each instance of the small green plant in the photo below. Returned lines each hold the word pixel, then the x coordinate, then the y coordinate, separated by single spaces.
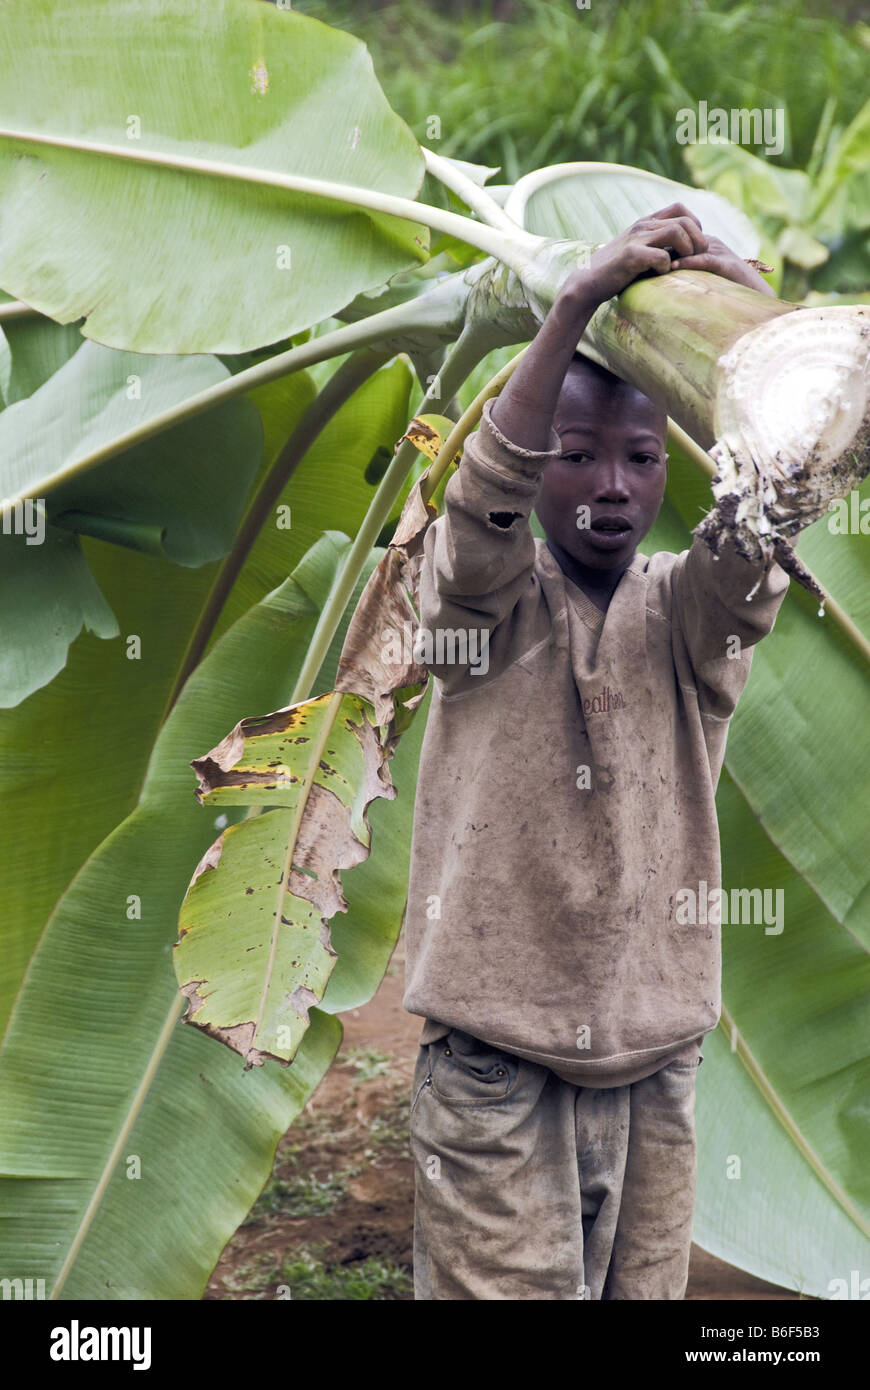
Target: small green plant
pixel 369 1063
pixel 305 1195
pixel 389 1130
pixel 251 1276
pixel 308 1278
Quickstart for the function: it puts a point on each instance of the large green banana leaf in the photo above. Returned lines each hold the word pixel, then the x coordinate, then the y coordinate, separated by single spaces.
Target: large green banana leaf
pixel 32 349
pixel 180 494
pixel 163 605
pixel 595 202
pixel 95 723
pixel 784 1081
pixel 47 589
pixel 164 261
pixel 255 951
pixel 94 727
pixel 79 733
pixel 94 1056
pixel 329 488
pixel 792 1052
pixel 51 578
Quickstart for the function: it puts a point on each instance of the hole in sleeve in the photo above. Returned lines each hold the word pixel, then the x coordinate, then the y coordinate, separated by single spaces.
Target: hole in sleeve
pixel 503 519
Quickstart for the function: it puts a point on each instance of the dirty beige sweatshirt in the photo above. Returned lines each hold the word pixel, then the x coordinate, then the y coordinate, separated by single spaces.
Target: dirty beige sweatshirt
pixel 566 784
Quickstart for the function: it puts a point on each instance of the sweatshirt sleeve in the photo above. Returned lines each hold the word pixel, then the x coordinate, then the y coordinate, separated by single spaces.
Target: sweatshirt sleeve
pixel 715 628
pixel 479 555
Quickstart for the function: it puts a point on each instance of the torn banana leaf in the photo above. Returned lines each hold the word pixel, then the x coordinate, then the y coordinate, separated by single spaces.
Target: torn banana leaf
pixel 377 659
pixel 254 951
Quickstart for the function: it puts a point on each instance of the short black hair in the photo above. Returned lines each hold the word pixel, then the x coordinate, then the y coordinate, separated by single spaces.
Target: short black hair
pixel 605 375
pixel 611 381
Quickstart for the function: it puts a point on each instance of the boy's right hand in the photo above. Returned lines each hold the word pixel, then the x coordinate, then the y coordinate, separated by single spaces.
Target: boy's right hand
pixel 643 247
pixel 524 411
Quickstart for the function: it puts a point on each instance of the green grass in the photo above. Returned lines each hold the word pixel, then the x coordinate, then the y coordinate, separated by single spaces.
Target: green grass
pixel 536 83
pixel 304 1276
pixel 314 1122
pixel 368 1062
pixel 305 1195
pixel 307 1278
pixel 389 1130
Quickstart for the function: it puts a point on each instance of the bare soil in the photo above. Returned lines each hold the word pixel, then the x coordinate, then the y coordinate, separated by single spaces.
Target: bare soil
pixel 336 1219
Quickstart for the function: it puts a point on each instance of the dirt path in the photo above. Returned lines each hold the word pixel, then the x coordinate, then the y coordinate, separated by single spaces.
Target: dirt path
pixel 335 1220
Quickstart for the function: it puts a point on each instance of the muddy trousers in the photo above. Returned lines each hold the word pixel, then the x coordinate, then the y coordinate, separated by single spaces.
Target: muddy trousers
pixel 529 1187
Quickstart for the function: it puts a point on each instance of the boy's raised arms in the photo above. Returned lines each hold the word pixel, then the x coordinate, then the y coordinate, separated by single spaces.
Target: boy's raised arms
pixel 524 411
pixel 480 554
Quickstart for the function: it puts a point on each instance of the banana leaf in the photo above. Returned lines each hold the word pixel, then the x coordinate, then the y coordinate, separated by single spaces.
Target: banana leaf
pixel 92 1055
pixel 100 222
pixel 784 1077
pixel 179 495
pixel 109 743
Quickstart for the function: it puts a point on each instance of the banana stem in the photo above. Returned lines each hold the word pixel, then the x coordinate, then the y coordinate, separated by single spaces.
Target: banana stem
pixel 439 315
pixel 472 194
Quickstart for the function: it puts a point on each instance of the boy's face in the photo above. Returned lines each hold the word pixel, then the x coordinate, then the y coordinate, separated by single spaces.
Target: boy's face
pixel 613 462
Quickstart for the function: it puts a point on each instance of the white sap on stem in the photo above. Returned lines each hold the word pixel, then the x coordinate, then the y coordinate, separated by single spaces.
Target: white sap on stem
pixel 792 427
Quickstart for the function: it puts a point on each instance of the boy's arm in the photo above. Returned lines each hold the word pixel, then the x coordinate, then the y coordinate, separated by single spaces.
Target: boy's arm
pixel 524 411
pixel 479 555
pixel 716 627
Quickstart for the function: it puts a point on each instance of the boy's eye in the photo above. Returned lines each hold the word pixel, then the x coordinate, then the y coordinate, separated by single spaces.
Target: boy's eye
pixel 580 455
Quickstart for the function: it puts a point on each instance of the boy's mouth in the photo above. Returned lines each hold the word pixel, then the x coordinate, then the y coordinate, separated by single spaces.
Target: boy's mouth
pixel 611 530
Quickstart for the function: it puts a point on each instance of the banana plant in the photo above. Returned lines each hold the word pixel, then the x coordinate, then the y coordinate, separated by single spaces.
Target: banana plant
pixel 305 287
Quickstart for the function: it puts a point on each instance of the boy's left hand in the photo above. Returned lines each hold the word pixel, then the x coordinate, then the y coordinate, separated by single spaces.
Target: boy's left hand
pixel 719 259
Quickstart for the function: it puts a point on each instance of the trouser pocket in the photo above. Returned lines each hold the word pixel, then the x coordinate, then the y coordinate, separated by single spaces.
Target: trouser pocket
pixel 466 1071
pixel 497 1205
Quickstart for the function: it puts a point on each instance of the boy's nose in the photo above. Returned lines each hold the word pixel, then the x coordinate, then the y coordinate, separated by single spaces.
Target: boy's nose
pixel 611 483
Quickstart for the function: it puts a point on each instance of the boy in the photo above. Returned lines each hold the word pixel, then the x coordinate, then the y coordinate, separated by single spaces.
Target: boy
pixel 566 795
